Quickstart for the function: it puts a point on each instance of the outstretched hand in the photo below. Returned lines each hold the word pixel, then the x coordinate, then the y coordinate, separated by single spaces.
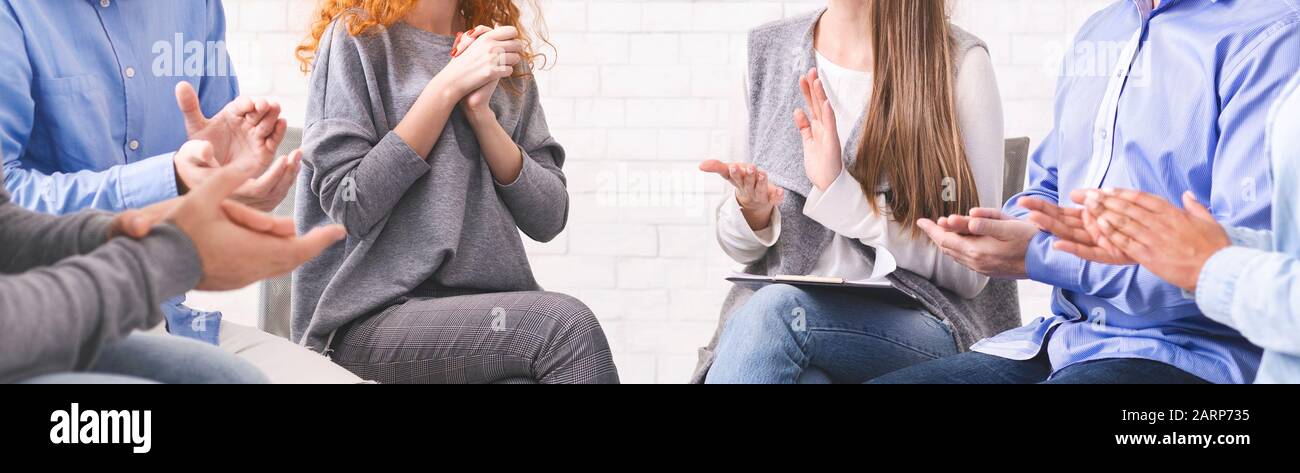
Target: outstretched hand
pixel 757 195
pixel 821 141
pixel 245 129
pixel 986 241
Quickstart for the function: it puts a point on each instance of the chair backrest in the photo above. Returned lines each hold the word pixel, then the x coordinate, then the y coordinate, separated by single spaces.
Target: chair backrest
pixel 275 295
pixel 1017 158
pixel 292 141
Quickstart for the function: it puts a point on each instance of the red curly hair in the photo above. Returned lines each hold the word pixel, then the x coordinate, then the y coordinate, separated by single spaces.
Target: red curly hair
pixel 365 15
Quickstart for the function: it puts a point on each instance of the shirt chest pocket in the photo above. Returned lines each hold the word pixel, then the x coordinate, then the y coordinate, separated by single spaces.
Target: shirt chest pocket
pixel 75 120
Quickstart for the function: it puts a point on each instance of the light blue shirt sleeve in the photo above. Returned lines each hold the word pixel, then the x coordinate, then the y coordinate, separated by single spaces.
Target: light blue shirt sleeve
pixel 1256 292
pixel 114 189
pixel 1255 239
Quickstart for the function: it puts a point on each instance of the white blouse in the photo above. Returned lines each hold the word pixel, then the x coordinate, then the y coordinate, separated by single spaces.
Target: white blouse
pixel 843 207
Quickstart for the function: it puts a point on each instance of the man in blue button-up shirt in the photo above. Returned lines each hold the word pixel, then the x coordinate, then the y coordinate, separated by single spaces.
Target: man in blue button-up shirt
pixel 1246 279
pixel 96 97
pixel 1181 107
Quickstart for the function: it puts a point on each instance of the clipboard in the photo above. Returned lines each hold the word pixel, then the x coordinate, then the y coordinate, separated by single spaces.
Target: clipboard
pixel 880 289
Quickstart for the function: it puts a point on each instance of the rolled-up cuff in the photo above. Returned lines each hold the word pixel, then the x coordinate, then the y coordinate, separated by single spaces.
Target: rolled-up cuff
pixel 1048 266
pixel 1245 237
pixel 766 237
pixel 525 172
pixel 174 262
pixel 147 182
pixel 1217 284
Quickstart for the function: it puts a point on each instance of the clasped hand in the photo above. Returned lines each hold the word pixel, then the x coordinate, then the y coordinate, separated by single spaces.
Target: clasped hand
pixel 1126 227
pixel 481 57
pixel 245 130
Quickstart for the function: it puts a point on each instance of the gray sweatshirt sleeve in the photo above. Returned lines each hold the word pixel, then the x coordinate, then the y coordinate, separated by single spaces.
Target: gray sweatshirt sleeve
pixel 358 175
pixel 32 239
pixel 539 198
pixel 65 293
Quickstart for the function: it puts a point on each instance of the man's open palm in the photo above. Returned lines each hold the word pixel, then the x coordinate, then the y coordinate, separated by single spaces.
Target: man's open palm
pixel 244 129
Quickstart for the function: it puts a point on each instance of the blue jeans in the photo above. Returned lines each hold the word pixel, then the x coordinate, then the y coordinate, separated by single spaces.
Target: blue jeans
pixel 168 359
pixel 979 368
pixel 785 333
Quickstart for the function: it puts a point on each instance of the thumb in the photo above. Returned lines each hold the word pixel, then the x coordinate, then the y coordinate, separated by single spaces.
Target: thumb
pixel 130 223
pixel 1195 208
pixel 188 101
pixel 999 229
pixel 314 242
pixel 989 213
pixel 137 226
pixel 716 167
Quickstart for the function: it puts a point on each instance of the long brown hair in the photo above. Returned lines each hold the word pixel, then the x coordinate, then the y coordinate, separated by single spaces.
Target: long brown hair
pixel 912 139
pixel 364 15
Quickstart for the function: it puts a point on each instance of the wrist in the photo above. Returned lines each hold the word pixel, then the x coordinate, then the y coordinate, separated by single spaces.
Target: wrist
pixel 181 187
pixel 824 179
pixel 829 179
pixel 1198 266
pixel 444 89
pixel 480 115
pixel 758 219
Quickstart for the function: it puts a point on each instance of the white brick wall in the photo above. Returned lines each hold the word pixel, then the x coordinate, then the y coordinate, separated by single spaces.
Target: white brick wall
pixel 640 93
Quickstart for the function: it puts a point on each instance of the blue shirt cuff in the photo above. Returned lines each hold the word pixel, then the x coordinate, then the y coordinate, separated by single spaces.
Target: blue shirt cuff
pixel 147 182
pixel 1216 287
pixel 1048 266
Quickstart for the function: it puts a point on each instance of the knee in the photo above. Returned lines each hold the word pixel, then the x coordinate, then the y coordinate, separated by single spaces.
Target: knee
pixel 771 308
pixel 573 317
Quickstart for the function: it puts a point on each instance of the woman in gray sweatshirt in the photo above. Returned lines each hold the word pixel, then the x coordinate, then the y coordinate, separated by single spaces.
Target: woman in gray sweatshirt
pixel 434 163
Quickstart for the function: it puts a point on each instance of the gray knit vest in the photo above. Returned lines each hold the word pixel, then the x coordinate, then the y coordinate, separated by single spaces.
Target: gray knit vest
pixel 778 53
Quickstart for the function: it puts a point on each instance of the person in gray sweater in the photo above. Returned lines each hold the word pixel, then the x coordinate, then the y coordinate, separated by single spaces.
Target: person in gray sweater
pixel 434 153
pixel 73 289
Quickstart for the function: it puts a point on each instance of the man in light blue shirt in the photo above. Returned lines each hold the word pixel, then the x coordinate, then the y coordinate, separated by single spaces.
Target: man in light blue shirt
pixel 1167 97
pixel 89 118
pixel 1246 279
pixel 1255 285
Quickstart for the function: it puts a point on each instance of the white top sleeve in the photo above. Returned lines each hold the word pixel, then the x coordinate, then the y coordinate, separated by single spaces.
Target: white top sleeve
pixel 843 207
pixel 740 242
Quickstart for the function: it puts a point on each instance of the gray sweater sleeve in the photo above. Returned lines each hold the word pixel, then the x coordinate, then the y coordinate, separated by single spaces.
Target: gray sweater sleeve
pixel 539 198
pixel 358 175
pixel 32 239
pixel 65 293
